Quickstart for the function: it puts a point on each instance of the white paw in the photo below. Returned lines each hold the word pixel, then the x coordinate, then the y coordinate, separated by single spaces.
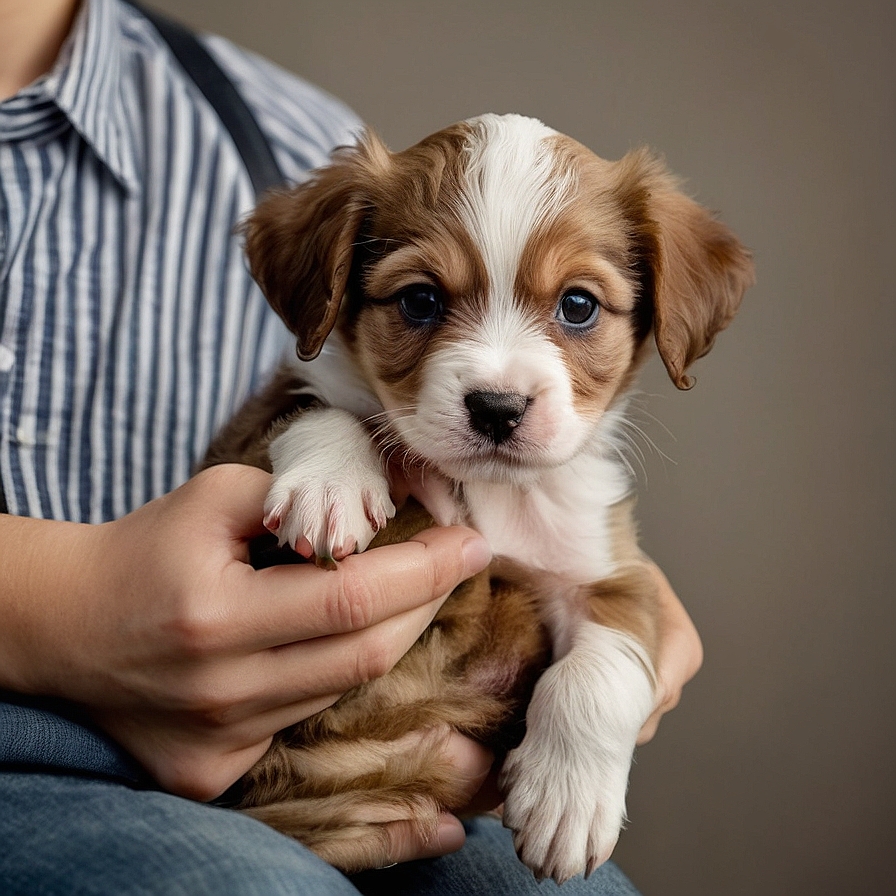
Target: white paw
pixel 565 785
pixel 330 494
pixel 565 818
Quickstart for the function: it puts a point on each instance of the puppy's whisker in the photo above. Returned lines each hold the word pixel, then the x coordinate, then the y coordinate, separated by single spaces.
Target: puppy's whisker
pixel 630 443
pixel 387 416
pixel 639 431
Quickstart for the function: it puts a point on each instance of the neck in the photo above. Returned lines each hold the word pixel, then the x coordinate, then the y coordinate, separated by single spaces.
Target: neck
pixel 31 34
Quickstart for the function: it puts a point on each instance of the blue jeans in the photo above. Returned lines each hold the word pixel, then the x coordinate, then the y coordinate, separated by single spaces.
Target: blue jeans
pixel 75 834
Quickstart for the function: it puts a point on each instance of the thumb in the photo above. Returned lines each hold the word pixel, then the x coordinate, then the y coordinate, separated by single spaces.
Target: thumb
pixel 235 495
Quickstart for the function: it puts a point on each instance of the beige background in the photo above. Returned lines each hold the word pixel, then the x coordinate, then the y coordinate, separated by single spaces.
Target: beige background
pixel 770 499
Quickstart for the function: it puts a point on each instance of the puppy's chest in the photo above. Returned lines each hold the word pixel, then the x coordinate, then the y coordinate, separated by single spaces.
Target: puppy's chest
pixel 561 526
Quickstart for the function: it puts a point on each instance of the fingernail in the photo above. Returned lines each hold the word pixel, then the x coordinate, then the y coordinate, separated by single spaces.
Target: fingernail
pixel 450 835
pixel 477 555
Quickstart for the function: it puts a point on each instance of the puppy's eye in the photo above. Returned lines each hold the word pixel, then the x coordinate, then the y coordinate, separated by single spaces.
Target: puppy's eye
pixel 577 308
pixel 420 303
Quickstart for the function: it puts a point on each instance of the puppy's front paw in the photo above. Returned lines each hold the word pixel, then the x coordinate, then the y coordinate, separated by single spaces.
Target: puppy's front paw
pixel 330 495
pixel 327 521
pixel 565 820
pixel 565 785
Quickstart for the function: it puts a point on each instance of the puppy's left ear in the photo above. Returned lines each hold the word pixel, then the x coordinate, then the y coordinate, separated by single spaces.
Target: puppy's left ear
pixel 694 270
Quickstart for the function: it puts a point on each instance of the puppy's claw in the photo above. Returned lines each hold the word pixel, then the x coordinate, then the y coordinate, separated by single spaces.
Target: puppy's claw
pixel 325 563
pixel 376 510
pixel 273 520
pixel 322 505
pixel 303 548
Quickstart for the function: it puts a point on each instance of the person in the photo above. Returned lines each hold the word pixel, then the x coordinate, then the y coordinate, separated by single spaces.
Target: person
pixel 145 665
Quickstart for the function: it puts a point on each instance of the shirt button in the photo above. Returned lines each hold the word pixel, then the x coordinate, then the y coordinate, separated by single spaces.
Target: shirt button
pixel 25 434
pixel 7 359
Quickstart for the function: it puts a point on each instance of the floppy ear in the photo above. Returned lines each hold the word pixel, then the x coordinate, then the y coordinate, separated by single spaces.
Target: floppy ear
pixel 300 242
pixel 694 270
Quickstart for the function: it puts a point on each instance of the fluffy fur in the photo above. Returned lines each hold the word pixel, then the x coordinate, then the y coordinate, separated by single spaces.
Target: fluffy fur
pixel 473 310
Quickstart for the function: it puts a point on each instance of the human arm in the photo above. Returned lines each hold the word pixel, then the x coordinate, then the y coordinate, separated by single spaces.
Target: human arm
pixel 680 654
pixel 190 679
pixel 183 653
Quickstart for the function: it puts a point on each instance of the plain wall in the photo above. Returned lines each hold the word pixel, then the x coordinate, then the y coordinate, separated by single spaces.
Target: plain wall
pixel 769 497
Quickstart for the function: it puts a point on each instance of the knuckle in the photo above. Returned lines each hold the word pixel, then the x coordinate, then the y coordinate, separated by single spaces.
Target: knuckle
pixel 195 630
pixel 351 606
pixel 376 660
pixel 207 702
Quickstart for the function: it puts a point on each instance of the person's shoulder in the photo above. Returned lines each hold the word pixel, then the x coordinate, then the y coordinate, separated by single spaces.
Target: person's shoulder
pixel 303 122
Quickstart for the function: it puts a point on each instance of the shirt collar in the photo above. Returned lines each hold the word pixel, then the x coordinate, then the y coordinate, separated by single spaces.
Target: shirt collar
pixel 86 82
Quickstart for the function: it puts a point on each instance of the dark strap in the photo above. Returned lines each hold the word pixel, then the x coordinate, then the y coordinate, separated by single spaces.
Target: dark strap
pixel 225 99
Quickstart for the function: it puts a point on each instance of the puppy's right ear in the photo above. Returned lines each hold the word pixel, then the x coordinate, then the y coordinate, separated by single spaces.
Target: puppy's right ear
pixel 300 242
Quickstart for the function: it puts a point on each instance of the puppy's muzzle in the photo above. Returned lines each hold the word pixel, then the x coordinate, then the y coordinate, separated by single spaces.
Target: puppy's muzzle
pixel 496 414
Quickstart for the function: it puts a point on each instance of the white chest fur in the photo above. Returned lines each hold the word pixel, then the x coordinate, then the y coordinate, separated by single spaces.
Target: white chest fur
pixel 560 524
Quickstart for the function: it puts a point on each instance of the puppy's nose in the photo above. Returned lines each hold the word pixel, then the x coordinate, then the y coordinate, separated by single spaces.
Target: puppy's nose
pixel 496 414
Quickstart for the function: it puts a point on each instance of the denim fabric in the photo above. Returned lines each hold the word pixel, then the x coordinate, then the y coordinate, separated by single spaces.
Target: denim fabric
pixel 76 835
pixel 50 734
pixel 485 866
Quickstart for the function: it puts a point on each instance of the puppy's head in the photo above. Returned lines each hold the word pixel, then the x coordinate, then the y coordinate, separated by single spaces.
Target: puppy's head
pixel 496 283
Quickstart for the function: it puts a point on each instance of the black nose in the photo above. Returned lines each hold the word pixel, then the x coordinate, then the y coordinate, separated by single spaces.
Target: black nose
pixel 496 414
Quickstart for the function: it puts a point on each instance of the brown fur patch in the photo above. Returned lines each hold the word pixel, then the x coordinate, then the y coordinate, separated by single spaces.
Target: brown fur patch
pixel 627 600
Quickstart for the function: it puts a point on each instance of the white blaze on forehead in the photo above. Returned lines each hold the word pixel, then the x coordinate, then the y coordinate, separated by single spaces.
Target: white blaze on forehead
pixel 512 186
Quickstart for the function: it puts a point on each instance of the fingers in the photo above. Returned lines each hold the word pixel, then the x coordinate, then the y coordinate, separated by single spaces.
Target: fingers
pixel 680 655
pixel 336 663
pixel 472 764
pixel 476 776
pixel 407 844
pixel 649 728
pixel 284 604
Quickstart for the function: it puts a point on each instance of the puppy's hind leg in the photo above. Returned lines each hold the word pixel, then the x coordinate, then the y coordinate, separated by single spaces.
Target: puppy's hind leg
pixel 342 809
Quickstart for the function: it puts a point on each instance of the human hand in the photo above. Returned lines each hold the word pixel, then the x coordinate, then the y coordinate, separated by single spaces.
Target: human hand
pixel 680 654
pixel 477 789
pixel 191 659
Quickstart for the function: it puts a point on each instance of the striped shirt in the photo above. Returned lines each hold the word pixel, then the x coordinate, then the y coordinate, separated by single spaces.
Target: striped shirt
pixel 130 328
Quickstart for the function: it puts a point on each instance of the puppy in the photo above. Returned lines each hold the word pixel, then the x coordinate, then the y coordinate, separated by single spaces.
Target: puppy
pixel 473 311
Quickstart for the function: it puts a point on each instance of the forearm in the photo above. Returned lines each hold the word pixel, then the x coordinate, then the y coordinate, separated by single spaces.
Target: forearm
pixel 44 566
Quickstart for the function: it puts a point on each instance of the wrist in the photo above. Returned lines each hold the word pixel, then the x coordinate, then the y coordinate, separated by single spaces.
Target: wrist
pixel 46 568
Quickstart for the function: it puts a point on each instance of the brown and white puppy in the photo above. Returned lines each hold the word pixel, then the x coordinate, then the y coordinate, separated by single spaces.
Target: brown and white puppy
pixel 474 309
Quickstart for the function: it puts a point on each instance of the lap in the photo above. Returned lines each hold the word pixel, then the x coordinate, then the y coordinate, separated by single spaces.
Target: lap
pixel 78 835
pixel 74 835
pixel 486 866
